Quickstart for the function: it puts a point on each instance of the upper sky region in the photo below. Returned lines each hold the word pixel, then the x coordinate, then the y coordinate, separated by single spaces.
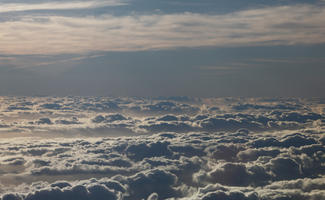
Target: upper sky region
pixel 162 47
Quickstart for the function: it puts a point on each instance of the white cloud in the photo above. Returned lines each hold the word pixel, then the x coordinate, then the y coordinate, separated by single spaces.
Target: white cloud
pixel 130 116
pixel 284 25
pixel 198 163
pixel 59 5
pixel 183 166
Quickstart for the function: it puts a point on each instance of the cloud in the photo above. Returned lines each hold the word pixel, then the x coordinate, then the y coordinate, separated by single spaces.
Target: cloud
pixel 56 5
pixel 44 121
pixel 186 151
pixel 155 181
pixel 139 151
pixel 241 107
pixel 53 106
pixel 109 118
pixel 225 196
pixel 117 116
pixel 285 168
pixel 195 165
pixel 65 192
pixel 230 174
pixel 279 25
pixel 74 120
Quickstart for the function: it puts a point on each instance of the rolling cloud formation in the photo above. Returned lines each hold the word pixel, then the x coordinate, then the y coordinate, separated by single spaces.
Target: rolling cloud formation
pixel 174 148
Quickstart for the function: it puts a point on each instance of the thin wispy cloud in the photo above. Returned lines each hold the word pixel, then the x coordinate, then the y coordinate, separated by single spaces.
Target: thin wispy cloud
pixel 55 5
pixel 78 58
pixel 284 25
pixel 298 60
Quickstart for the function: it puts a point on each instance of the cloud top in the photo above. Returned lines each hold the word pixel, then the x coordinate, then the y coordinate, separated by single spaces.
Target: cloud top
pixel 161 148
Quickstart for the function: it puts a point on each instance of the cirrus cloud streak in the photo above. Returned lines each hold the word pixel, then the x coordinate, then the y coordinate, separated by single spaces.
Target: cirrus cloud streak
pixel 282 25
pixel 18 7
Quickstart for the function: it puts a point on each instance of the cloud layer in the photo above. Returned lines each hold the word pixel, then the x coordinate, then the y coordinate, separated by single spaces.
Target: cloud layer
pixel 57 34
pixel 115 116
pixel 217 148
pixel 234 165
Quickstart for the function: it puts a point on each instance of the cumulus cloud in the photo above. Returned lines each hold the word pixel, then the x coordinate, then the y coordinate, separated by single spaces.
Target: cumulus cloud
pixel 292 24
pixel 195 165
pixel 105 116
pixel 185 150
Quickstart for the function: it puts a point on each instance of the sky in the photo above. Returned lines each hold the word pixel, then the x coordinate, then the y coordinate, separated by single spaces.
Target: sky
pixel 203 48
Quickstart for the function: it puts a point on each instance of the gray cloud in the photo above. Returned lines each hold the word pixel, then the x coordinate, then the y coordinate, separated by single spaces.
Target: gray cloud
pixel 183 165
pixel 223 154
pixel 281 25
pixel 105 116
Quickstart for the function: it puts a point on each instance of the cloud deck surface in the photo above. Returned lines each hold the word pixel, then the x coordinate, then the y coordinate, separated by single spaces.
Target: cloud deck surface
pixel 247 149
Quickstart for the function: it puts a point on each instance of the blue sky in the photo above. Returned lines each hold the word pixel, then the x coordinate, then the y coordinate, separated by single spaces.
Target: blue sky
pixel 162 48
